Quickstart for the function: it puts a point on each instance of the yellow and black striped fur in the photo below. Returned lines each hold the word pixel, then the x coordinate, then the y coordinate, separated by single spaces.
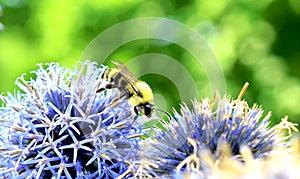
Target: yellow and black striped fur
pixel 138 93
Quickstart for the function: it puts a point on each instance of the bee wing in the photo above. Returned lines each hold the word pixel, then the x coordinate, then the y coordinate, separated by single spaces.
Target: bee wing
pixel 128 76
pixel 125 72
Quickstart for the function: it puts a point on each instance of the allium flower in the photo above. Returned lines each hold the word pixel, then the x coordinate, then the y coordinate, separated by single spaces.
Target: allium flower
pixel 194 141
pixel 57 126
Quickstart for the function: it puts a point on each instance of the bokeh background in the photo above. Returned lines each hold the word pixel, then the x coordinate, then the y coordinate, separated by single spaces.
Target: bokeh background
pixel 254 41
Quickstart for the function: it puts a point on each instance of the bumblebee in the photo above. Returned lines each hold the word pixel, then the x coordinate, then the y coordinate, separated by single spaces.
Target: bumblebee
pixel 138 93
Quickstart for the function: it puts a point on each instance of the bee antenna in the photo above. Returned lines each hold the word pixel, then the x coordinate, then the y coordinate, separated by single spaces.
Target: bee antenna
pixel 168 114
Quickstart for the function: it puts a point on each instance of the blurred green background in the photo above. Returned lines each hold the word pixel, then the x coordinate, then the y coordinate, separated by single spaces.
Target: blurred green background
pixel 254 41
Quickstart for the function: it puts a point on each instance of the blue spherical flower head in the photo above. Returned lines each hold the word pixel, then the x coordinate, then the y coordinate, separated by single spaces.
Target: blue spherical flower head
pixel 58 126
pixel 1 25
pixel 183 145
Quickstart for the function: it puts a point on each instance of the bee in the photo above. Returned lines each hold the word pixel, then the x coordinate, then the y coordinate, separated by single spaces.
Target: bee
pixel 138 93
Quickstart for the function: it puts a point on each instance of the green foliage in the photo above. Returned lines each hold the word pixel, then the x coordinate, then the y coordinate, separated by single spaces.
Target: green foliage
pixel 255 41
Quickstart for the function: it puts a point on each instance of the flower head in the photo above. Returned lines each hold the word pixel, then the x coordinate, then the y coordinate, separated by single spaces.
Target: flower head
pixel 195 140
pixel 1 25
pixel 58 126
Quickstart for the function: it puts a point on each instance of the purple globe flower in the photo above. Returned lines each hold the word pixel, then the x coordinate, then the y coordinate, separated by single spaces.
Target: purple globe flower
pixel 182 145
pixel 57 126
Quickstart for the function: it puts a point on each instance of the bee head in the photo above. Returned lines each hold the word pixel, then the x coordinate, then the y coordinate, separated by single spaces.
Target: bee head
pixel 148 109
pixel 145 108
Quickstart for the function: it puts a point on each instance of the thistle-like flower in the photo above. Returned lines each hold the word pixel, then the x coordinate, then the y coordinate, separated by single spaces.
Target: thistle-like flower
pixel 194 141
pixel 1 25
pixel 57 126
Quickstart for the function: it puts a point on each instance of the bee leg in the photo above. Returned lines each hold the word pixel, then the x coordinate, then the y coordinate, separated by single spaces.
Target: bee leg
pixel 134 119
pixel 108 86
pixel 136 110
pixel 100 90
